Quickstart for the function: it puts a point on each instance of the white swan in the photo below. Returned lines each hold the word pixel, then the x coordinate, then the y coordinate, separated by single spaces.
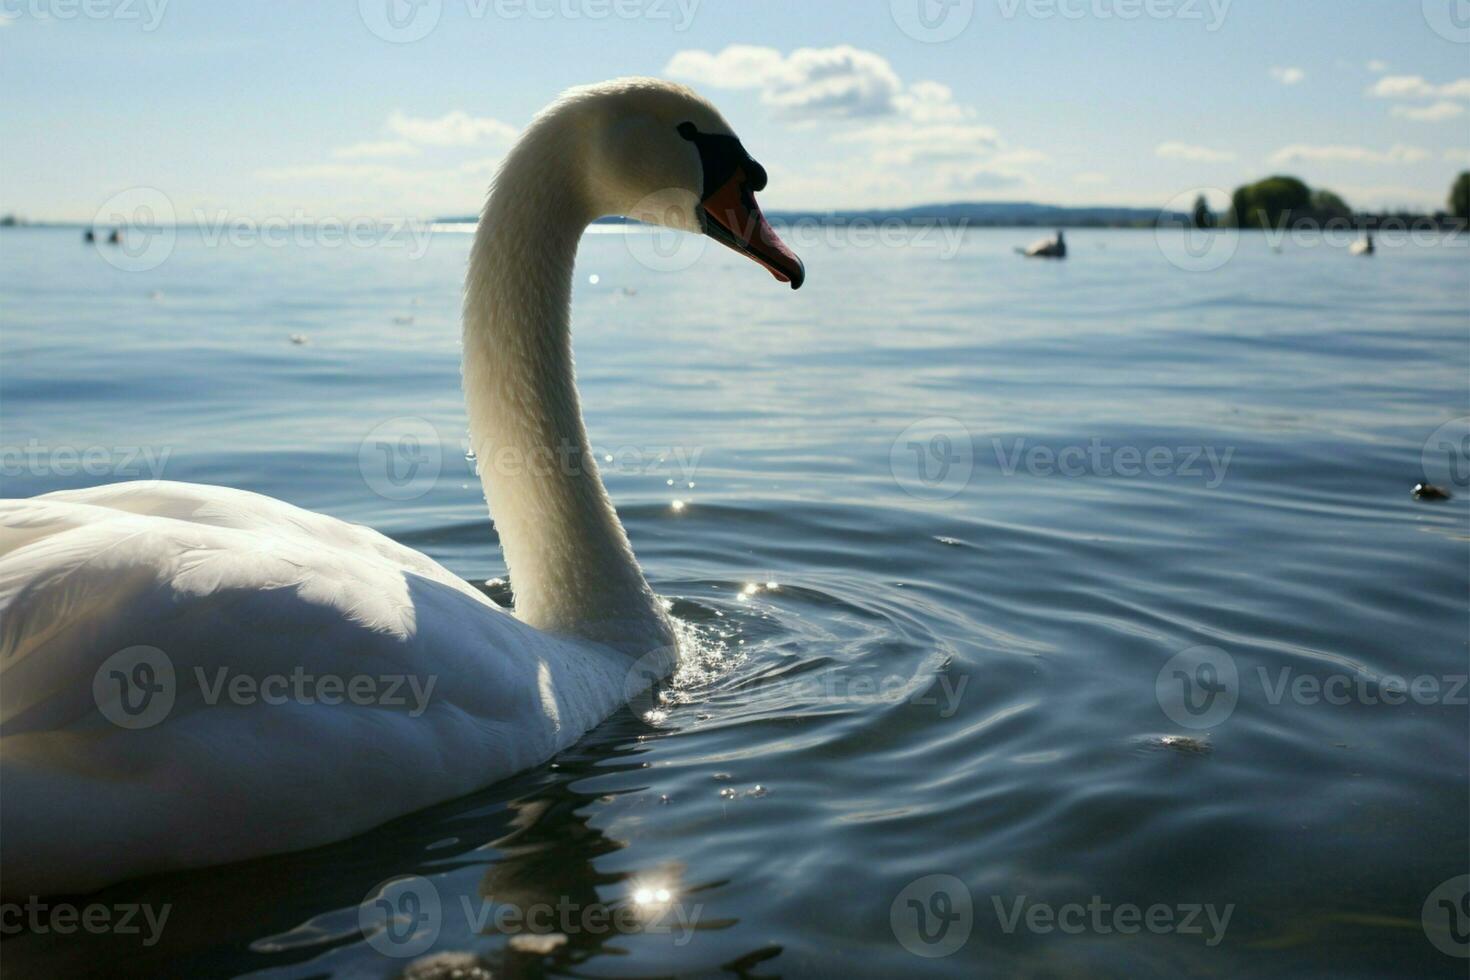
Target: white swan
pixel 1363 246
pixel 1046 248
pixel 111 768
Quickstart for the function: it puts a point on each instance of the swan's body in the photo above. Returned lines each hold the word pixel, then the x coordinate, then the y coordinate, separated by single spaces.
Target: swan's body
pixel 1047 248
pixel 452 692
pixel 1363 246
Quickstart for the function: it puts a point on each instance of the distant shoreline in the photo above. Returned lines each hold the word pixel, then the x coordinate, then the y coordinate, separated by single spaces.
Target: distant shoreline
pixel 997 215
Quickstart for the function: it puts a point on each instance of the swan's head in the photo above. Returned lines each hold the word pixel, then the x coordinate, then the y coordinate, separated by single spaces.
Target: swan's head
pixel 663 155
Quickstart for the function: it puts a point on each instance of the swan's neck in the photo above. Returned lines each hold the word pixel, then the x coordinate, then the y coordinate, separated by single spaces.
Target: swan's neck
pixel 571 567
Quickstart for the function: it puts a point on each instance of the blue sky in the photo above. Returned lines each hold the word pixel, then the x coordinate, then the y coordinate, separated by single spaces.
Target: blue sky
pixel 291 109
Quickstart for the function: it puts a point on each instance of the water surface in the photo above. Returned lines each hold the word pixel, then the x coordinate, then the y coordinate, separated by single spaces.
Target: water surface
pixel 944 524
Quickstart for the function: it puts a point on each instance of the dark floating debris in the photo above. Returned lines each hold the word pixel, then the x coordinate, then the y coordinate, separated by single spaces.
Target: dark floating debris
pixel 1428 491
pixel 1188 744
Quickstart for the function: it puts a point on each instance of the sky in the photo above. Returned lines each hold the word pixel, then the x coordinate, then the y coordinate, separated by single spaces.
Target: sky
pixel 402 108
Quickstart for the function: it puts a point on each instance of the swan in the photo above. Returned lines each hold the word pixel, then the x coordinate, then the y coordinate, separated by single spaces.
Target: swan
pixel 1047 248
pixel 177 661
pixel 1363 246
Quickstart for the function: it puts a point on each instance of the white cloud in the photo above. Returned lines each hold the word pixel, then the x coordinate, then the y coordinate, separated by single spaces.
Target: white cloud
pixel 918 137
pixel 1195 154
pixel 931 102
pixel 1377 66
pixel 376 150
pixel 1288 76
pixel 1091 177
pixel 1437 112
pixel 1457 156
pixel 1304 152
pixel 738 66
pixel 457 128
pixel 1418 87
pixel 838 82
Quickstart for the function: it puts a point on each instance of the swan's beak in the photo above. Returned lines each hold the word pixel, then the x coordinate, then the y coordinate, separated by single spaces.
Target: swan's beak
pixel 732 218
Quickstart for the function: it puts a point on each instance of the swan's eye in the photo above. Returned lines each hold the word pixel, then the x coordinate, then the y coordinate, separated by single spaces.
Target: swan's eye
pixel 722 156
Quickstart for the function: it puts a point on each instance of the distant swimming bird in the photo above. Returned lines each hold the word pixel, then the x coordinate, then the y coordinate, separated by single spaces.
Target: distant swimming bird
pixel 118 599
pixel 1428 491
pixel 89 235
pixel 1046 248
pixel 1363 246
pixel 115 238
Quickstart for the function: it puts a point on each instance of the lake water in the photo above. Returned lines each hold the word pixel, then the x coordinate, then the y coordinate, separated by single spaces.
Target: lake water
pixel 1091 587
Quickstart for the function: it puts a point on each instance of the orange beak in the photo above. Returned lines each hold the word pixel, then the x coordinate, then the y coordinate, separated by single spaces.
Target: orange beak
pixel 732 218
